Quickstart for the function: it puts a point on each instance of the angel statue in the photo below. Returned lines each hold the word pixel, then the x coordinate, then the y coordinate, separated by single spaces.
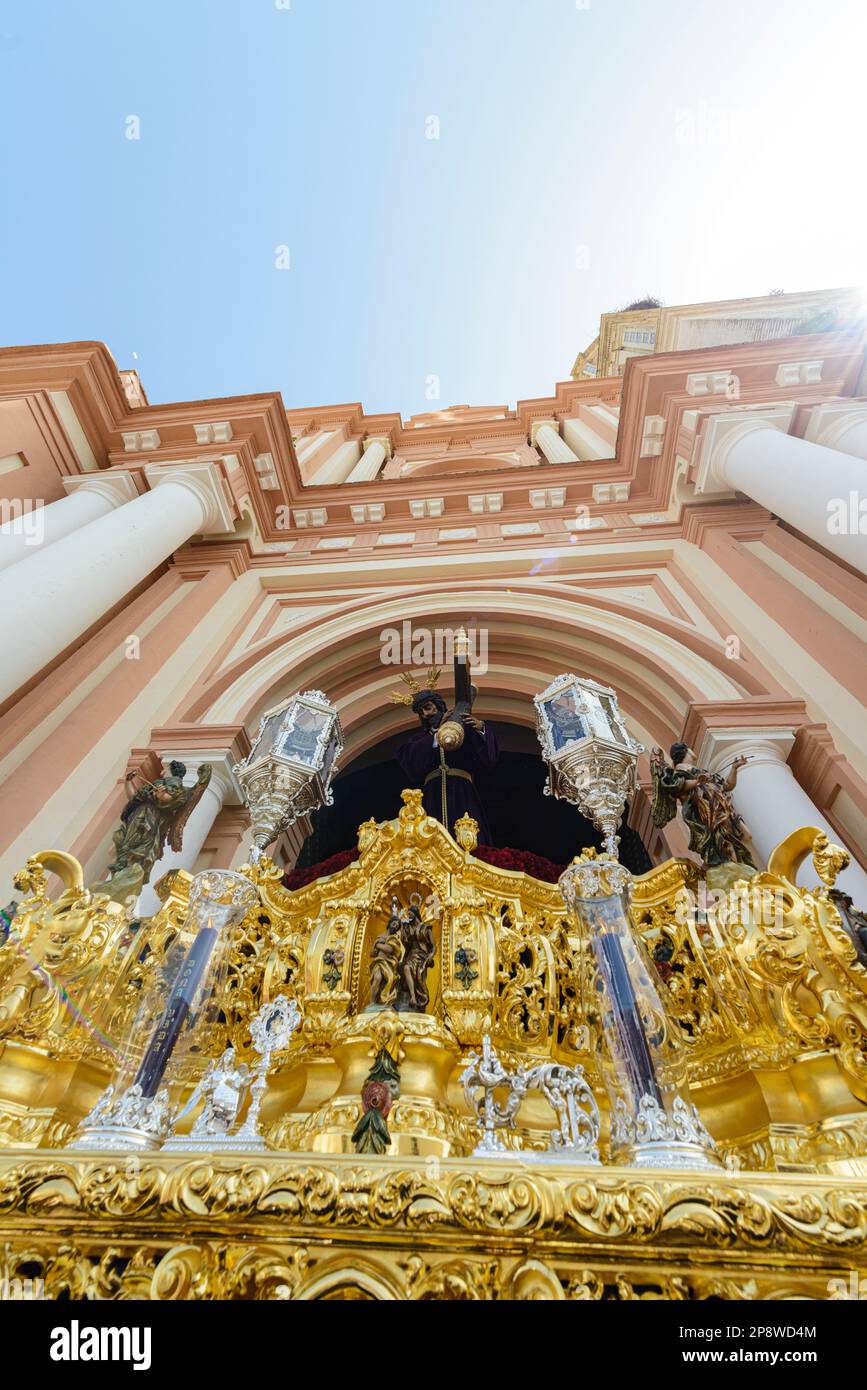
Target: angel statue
pixel 153 818
pixel 717 833
pixel 221 1090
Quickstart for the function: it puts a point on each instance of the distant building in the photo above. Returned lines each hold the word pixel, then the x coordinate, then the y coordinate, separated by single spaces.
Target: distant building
pixel 647 327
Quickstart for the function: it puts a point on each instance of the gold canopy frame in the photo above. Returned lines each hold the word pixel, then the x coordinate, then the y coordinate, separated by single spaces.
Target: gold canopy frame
pixel 770 1010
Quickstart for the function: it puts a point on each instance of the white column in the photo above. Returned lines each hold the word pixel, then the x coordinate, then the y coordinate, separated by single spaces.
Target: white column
pixel 806 485
pixel 220 789
pixel 769 797
pixel 308 446
pixel 840 425
pixel 67 587
pixel 376 451
pixel 587 444
pixel 90 497
pixel 338 468
pixel 546 437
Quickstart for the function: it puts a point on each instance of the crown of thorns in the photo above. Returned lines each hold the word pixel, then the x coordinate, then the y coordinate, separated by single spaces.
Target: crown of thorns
pixel 400 697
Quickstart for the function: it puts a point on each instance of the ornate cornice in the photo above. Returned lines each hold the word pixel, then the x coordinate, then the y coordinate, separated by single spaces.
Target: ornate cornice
pixel 254 426
pixel 774 1217
pixel 223 740
pixel 759 714
pixel 196 561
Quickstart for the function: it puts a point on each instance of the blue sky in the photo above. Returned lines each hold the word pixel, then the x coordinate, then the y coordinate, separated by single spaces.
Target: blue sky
pixel 586 156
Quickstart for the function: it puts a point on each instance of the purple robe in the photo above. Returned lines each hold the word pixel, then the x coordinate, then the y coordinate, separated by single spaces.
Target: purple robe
pixel 419 757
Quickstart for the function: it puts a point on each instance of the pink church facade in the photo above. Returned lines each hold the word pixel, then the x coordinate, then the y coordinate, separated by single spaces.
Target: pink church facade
pixel 689 533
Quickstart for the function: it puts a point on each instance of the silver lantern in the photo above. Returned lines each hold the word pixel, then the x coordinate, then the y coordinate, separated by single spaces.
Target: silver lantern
pixel 591 757
pixel 291 765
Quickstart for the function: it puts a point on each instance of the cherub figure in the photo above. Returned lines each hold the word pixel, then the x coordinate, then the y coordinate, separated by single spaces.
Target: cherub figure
pixel 718 834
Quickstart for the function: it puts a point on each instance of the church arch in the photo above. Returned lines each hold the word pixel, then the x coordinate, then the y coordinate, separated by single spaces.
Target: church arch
pixel 658 665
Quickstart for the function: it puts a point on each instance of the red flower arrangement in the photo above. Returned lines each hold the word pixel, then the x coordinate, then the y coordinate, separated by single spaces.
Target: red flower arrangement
pixel 522 861
pixel 299 878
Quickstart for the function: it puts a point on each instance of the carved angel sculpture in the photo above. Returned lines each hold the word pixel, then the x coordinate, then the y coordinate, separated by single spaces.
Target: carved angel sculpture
pixel 222 1090
pixel 153 818
pixel 717 833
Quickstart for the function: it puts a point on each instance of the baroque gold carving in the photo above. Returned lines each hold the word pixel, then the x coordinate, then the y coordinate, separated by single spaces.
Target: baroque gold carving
pixel 263 1222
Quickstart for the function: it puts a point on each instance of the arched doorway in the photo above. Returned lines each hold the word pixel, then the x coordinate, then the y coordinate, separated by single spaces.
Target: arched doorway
pixel 521 816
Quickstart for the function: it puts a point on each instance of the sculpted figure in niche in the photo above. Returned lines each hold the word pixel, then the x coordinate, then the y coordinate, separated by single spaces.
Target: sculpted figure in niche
pixel 385 960
pixel 401 959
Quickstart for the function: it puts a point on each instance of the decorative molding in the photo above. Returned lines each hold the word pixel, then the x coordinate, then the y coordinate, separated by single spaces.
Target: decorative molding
pixel 830 422
pixel 745 520
pixel 198 561
pixel 799 373
pixel 721 433
pixel 223 740
pixel 307 517
pixel 300 1225
pixel 485 502
pixel 652 436
pixel 542 498
pixel 206 482
pixel 458 533
pixel 366 512
pixel 538 425
pixel 720 747
pixel 266 472
pixel 710 383
pixel 220 432
pixel 115 485
pixel 383 439
pixel 427 507
pixel 140 441
pixel 716 730
pixel 607 493
pixel 396 538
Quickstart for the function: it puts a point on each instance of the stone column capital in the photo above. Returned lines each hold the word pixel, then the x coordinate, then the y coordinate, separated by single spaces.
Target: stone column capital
pixel 722 432
pixel 831 421
pixel 205 481
pixel 222 784
pixel 720 747
pixel 382 440
pixel 538 425
pixel 116 486
pixel 750 716
pixel 221 746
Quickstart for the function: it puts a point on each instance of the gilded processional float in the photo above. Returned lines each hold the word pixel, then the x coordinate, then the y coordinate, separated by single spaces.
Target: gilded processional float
pixel 429 1077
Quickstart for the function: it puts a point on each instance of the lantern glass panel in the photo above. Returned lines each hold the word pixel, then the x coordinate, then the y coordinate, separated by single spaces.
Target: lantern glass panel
pixel 330 754
pixel 568 723
pixel 606 719
pixel 303 733
pixel 267 740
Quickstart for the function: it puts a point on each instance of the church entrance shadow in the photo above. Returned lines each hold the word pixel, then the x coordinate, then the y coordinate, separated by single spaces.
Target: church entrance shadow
pixel 521 816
